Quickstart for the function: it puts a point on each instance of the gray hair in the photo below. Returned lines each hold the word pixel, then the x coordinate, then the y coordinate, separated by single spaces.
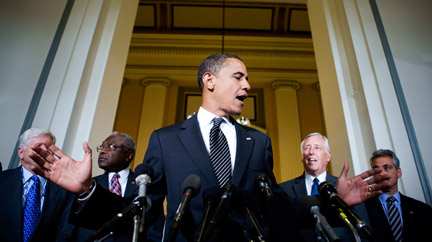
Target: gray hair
pixel 384 153
pixel 326 143
pixel 25 137
pixel 128 142
pixel 212 64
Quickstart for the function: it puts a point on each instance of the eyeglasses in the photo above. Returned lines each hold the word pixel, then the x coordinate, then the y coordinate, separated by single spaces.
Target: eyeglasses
pixel 109 147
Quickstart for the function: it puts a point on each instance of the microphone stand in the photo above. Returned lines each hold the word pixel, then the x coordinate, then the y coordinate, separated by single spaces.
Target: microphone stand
pixel 350 226
pixel 107 229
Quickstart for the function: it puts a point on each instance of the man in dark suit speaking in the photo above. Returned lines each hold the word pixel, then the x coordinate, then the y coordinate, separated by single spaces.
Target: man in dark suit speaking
pixel 210 145
pixel 394 216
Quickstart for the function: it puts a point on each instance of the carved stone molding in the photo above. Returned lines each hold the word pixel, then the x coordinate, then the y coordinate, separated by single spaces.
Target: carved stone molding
pixel 156 80
pixel 293 84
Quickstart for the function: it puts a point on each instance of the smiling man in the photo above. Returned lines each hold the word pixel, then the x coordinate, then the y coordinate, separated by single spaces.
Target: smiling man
pixel 393 216
pixel 316 155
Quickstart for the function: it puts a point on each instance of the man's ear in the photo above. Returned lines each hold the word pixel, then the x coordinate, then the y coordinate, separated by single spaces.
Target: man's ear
pixel 20 152
pixel 208 81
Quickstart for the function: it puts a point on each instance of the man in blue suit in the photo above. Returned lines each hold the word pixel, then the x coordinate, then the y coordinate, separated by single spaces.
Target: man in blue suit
pixel 177 151
pixel 15 183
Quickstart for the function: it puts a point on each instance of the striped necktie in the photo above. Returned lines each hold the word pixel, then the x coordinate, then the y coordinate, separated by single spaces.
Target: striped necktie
pixel 32 208
pixel 115 185
pixel 220 154
pixel 394 219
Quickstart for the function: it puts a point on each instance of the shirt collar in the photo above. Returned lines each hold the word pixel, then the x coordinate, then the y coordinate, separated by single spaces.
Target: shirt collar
pixel 321 177
pixel 26 175
pixel 206 118
pixel 383 197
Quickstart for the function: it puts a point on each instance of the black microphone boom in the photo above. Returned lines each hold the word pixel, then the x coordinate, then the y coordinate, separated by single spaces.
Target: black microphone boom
pixel 191 187
pixel 221 211
pixel 329 193
pixel 210 197
pixel 310 204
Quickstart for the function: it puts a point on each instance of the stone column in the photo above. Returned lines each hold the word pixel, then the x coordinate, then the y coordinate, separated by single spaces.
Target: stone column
pixel 289 128
pixel 152 113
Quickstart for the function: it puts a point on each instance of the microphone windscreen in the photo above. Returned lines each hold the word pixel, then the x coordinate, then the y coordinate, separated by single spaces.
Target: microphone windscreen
pixel 307 203
pixel 262 178
pixel 143 169
pixel 192 182
pixel 326 190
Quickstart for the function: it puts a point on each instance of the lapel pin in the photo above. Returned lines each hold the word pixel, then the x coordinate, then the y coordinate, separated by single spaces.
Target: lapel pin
pixel 248 138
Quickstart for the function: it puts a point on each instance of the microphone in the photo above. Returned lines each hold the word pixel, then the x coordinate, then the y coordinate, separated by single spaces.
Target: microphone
pixel 310 204
pixel 191 187
pixel 143 175
pixel 221 211
pixel 210 197
pixel 329 193
pixel 262 181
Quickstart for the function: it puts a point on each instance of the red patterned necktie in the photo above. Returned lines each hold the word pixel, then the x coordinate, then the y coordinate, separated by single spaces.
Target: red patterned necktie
pixel 115 185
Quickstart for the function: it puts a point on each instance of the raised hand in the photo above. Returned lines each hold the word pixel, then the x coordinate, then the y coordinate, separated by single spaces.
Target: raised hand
pixel 56 166
pixel 359 188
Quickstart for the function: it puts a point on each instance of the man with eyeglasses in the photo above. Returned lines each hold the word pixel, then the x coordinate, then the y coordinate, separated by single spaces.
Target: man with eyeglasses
pixel 115 155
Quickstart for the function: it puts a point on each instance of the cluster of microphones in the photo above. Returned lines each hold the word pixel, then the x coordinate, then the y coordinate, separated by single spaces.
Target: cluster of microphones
pixel 221 202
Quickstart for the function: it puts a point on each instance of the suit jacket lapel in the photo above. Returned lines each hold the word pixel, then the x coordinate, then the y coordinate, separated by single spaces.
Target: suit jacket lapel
pixel 130 188
pixel 50 204
pixel 245 144
pixel 299 186
pixel 193 143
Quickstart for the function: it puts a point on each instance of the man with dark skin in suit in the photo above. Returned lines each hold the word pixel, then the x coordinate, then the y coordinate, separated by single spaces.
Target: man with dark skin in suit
pixel 183 149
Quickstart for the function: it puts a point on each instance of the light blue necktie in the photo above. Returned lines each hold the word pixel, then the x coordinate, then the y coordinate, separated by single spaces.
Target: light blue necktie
pixel 315 184
pixel 394 219
pixel 32 208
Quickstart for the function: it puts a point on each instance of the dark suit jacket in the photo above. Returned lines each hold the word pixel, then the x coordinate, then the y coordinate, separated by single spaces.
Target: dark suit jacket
pixel 296 188
pixel 53 224
pixel 82 234
pixel 178 151
pixel 416 220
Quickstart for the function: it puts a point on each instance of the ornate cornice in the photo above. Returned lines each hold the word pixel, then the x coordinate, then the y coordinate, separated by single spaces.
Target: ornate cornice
pixel 289 83
pixel 156 80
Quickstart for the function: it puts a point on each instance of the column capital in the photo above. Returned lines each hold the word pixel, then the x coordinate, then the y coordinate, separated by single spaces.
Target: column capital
pixel 156 80
pixel 288 83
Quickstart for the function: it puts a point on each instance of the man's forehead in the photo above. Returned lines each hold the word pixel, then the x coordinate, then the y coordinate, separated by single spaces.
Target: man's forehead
pixel 113 137
pixel 314 140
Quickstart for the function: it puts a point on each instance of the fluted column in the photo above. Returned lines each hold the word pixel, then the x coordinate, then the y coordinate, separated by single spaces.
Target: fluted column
pixel 152 113
pixel 289 128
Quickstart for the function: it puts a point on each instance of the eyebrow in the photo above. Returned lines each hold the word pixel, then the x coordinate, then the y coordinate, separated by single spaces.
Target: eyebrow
pixel 241 74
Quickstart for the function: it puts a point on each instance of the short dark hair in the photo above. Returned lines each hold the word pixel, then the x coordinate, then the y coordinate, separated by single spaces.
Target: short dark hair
pixel 212 64
pixel 384 153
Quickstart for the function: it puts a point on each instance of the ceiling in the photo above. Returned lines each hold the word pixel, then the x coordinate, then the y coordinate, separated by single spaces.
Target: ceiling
pixel 245 18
